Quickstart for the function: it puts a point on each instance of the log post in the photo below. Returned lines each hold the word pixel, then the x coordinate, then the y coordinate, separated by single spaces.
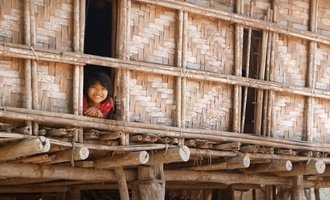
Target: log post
pixel 308 168
pixel 297 188
pixel 132 158
pixel 178 154
pixel 151 184
pixel 121 179
pixel 24 148
pixel 273 166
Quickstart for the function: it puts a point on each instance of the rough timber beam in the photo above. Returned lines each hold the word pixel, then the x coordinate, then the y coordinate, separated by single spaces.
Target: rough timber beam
pixel 305 168
pixel 273 166
pixel 241 161
pixel 130 159
pixel 25 147
pixel 79 153
pixel 176 154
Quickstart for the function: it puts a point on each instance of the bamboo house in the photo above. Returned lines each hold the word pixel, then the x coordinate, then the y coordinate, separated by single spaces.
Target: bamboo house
pixel 214 99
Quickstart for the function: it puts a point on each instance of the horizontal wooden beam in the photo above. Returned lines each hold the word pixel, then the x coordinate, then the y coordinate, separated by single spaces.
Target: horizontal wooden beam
pixel 240 19
pixel 25 147
pixel 75 154
pixel 305 168
pixel 23 51
pixel 273 166
pixel 129 159
pixel 157 130
pixel 238 162
pixel 170 155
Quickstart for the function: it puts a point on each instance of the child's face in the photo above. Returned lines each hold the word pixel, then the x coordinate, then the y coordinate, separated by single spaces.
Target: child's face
pixel 97 93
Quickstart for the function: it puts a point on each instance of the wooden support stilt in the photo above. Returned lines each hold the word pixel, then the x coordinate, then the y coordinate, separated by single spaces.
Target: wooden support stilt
pixel 74 194
pixel 231 163
pixel 273 166
pixel 24 148
pixel 178 154
pixel 305 168
pixel 297 188
pixel 130 159
pixel 123 190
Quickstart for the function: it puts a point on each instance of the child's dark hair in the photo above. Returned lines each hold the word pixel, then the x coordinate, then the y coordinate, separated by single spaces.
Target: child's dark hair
pixel 102 78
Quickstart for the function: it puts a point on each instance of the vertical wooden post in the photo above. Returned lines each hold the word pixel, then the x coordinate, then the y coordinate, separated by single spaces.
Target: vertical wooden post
pixel 238 69
pixel 317 194
pixel 179 64
pixel 297 188
pixel 311 71
pixel 34 69
pixel 123 190
pixel 27 63
pixel 151 183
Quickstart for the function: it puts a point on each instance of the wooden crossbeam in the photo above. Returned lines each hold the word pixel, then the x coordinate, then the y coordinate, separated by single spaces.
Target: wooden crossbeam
pixel 130 159
pixel 176 154
pixel 273 166
pixel 305 168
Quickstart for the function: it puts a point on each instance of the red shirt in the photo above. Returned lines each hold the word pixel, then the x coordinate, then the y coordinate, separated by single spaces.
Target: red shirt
pixel 104 107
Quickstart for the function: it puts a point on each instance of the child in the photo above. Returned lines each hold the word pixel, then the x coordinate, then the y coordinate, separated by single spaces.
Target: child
pixel 97 101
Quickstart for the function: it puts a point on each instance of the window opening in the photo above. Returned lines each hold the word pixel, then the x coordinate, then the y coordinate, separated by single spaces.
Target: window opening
pixel 100 37
pixel 251 62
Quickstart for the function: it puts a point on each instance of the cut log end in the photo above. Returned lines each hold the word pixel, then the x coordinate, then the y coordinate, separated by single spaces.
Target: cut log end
pixel 82 153
pixel 320 166
pixel 144 157
pixel 185 153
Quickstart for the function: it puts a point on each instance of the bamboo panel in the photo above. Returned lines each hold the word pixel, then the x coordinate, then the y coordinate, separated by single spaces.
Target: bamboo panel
pixel 152 98
pixel 322 62
pixel 323 20
pixel 210 45
pixel 54 27
pixel 290 65
pixel 55 87
pixel 208 105
pixel 294 13
pixel 321 129
pixel 11 82
pixel 225 5
pixel 152 34
pixel 11 21
pixel 288 117
pixel 259 8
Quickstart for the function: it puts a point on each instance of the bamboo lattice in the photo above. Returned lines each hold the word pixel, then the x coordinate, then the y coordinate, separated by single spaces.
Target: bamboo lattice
pixel 226 5
pixel 321 129
pixel 323 20
pixel 322 68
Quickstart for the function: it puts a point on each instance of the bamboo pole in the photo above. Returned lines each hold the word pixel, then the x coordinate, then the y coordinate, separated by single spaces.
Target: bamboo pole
pixel 179 54
pixel 27 63
pixel 21 51
pixel 179 154
pixel 297 187
pixel 130 159
pixel 238 70
pixel 24 148
pixel 76 42
pixel 311 78
pixel 156 130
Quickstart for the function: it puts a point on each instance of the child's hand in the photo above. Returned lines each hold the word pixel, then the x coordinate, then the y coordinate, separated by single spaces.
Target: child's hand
pixel 93 112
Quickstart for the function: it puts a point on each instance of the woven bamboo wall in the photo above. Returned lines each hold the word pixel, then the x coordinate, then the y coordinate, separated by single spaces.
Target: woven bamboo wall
pixel 11 21
pixel 324 18
pixel 210 45
pixel 258 9
pixel 11 82
pixel 294 13
pixel 321 129
pixel 54 25
pixel 152 36
pixel 225 5
pixel 208 105
pixel 152 98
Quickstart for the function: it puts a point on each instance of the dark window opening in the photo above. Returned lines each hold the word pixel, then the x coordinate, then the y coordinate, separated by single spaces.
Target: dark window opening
pixel 251 62
pixel 100 36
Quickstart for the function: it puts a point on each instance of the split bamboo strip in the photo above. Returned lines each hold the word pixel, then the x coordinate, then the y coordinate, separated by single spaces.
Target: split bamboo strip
pixel 121 179
pixel 71 155
pixel 305 168
pixel 157 130
pixel 26 147
pixel 273 166
pixel 240 19
pixel 178 154
pixel 130 159
pixel 21 51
